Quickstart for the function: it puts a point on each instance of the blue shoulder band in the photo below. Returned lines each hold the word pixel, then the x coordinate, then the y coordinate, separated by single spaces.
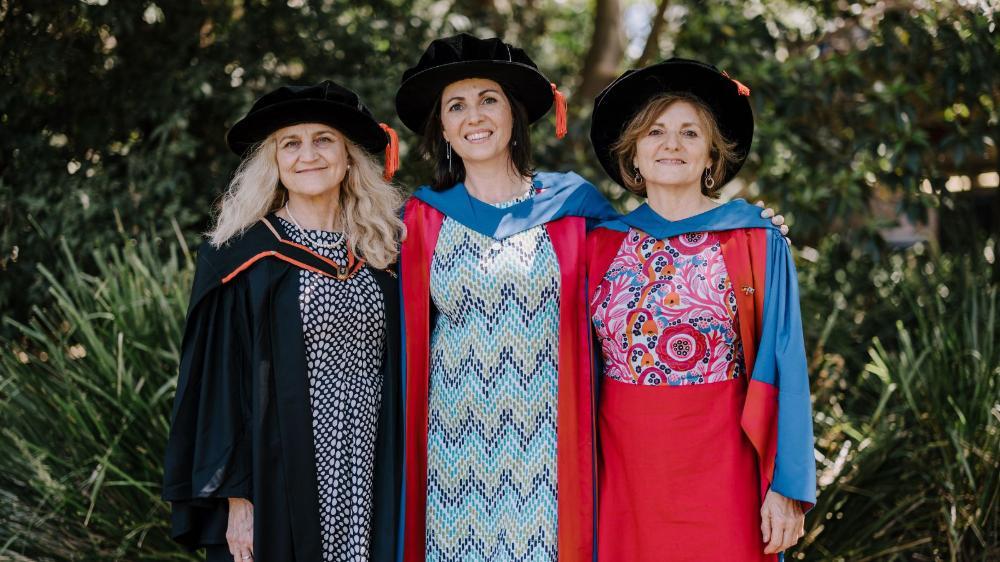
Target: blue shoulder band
pixel 561 195
pixel 728 216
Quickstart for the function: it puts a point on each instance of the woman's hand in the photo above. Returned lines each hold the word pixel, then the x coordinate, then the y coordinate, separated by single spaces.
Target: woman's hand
pixel 776 220
pixel 782 522
pixel 239 533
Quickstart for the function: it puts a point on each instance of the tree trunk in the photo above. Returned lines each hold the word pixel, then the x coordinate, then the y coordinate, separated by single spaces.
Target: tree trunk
pixel 607 49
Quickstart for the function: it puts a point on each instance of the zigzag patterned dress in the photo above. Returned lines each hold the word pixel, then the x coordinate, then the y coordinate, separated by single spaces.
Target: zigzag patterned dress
pixel 491 435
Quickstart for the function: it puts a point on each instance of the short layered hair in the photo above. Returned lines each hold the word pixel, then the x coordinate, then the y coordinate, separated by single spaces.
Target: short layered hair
pixel 721 150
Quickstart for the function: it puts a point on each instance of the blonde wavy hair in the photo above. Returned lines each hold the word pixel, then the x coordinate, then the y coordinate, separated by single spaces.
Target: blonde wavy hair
pixel 370 204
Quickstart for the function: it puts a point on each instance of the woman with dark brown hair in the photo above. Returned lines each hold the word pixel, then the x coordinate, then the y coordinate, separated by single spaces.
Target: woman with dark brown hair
pixel 499 442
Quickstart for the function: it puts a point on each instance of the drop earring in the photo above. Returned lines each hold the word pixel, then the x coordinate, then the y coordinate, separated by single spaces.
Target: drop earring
pixel 448 153
pixel 709 180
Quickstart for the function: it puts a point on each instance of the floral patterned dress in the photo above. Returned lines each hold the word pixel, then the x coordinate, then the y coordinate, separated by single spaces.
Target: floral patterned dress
pixel 676 473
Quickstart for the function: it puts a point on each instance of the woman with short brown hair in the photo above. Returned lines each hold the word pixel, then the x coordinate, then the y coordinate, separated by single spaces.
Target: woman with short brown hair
pixel 704 416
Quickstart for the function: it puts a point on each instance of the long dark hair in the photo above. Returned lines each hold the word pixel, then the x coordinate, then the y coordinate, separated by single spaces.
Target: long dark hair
pixel 434 146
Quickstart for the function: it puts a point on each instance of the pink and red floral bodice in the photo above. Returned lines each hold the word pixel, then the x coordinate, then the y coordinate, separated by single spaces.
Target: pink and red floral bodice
pixel 665 312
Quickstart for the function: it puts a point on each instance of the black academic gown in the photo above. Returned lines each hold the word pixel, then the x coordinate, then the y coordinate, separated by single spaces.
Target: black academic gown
pixel 242 424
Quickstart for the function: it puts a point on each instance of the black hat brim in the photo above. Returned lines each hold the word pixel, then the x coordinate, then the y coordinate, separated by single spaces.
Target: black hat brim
pixel 356 126
pixel 417 95
pixel 619 103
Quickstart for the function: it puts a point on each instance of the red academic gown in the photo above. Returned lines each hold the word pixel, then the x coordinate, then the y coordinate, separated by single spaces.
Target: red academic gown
pixel 651 507
pixel 575 415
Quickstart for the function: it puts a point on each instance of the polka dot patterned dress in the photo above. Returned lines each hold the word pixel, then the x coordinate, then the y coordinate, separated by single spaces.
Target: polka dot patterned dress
pixel 344 328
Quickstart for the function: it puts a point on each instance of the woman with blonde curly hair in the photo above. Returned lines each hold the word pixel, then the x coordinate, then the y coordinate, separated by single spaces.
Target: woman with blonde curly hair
pixel 285 439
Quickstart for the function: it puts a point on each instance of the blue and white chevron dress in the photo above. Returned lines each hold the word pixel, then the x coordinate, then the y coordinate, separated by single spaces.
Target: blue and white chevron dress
pixel 491 435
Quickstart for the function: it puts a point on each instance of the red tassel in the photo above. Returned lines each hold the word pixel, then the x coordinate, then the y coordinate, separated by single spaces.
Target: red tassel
pixel 391 152
pixel 560 99
pixel 740 87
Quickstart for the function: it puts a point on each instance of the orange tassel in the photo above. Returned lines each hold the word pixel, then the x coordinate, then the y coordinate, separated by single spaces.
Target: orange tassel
pixel 740 87
pixel 560 99
pixel 743 90
pixel 391 152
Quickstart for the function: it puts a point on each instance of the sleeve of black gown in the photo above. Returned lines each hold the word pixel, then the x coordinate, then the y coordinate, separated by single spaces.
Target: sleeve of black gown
pixel 208 451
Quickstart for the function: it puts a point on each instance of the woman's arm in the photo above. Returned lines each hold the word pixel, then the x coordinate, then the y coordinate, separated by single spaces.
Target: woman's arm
pixel 782 366
pixel 208 454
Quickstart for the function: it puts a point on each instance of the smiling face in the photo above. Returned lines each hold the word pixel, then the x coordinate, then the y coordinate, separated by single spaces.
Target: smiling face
pixel 312 159
pixel 477 119
pixel 674 151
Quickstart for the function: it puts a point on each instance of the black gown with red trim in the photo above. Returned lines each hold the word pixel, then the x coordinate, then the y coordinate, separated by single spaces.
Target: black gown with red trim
pixel 242 425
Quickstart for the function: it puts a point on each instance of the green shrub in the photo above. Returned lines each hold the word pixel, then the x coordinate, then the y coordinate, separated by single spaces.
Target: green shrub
pixel 85 398
pixel 910 443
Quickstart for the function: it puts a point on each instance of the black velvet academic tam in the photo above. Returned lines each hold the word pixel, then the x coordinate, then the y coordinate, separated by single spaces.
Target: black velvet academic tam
pixel 242 422
pixel 326 102
pixel 450 59
pixel 619 103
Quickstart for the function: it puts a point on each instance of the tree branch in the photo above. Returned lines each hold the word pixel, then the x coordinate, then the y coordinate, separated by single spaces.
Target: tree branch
pixel 652 48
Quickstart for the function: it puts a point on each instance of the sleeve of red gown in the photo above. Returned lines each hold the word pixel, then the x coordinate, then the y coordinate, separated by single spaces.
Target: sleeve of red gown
pixel 208 450
pixel 781 362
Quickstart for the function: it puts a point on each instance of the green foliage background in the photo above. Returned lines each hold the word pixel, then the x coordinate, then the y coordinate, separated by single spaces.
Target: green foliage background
pixel 112 117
